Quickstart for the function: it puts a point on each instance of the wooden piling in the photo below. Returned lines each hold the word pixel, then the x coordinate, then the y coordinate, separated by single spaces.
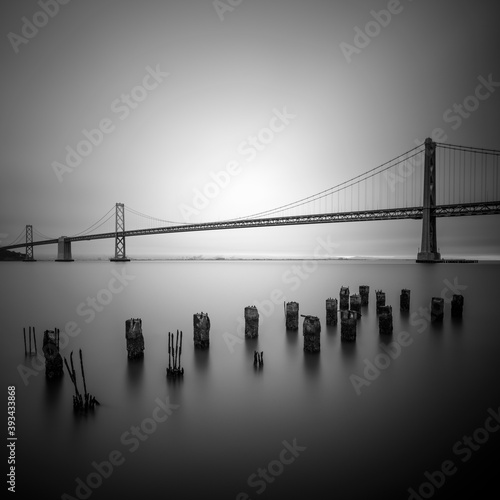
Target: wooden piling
pixel 344 298
pixel 251 322
pixel 385 320
pixel 404 300
pixel 348 320
pixel 53 361
pixel 30 338
pixel 364 292
pixel 201 330
pixel 355 304
pixel 331 312
pixel 437 309
pixel 34 340
pixel 134 337
pixel 457 305
pixel 380 295
pixel 292 316
pixel 311 333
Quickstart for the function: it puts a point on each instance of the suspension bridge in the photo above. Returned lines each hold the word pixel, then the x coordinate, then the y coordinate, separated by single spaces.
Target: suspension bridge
pixel 429 181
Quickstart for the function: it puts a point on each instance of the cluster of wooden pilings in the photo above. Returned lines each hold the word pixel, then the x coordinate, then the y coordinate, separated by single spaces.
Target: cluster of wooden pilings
pixel 135 339
pixel 174 356
pixel 87 401
pixel 30 335
pixel 54 367
pixel 258 358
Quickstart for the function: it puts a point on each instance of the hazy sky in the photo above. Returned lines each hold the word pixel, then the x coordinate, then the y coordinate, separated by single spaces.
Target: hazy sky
pixel 178 87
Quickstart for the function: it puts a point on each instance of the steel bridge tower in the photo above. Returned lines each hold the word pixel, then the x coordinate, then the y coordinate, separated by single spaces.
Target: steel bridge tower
pixel 120 255
pixel 429 249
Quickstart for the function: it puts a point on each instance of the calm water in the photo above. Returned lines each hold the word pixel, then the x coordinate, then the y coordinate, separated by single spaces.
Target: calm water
pixel 232 419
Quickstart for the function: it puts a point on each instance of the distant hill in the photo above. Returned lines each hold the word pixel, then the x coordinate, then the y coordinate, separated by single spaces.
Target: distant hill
pixel 8 255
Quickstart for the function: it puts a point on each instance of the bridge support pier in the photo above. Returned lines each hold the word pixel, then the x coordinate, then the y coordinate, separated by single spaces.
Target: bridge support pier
pixel 64 250
pixel 429 250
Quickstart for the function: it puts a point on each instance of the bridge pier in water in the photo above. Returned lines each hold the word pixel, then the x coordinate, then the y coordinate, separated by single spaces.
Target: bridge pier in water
pixel 28 256
pixel 64 250
pixel 429 249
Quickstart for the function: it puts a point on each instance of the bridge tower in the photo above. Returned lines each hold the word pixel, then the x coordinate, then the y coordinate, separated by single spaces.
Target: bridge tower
pixel 29 244
pixel 428 249
pixel 120 255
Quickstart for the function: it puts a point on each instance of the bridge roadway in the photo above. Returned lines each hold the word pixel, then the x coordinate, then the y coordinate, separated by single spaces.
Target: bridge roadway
pixel 458 210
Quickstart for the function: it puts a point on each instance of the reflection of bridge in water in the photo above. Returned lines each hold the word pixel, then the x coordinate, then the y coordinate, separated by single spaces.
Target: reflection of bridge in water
pixel 429 181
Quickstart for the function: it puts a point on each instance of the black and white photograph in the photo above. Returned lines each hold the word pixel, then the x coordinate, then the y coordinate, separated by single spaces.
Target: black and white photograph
pixel 250 249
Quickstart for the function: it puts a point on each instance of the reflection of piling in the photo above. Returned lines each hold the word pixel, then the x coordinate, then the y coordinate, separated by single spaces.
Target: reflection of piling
pixel 135 339
pixel 251 322
pixel 348 325
pixel 331 312
pixel 201 328
pixel 385 320
pixel 380 299
pixel 364 292
pixel 457 306
pixel 355 304
pixel 54 367
pixel 311 332
pixel 437 309
pixel 292 316
pixel 404 300
pixel 174 356
pixel 344 298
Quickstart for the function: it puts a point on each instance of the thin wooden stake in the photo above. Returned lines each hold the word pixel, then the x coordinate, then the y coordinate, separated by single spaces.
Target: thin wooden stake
pixel 180 350
pixel 83 374
pixel 30 339
pixel 34 339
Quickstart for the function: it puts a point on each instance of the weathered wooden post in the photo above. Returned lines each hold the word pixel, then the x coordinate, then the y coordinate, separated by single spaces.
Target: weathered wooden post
pixel 364 291
pixel 355 304
pixel 385 320
pixel 201 327
pixel 344 298
pixel 54 367
pixel 311 332
pixel 348 320
pixel 331 312
pixel 404 300
pixel 457 306
pixel 437 309
pixel 292 316
pixel 380 299
pixel 135 339
pixel 251 322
